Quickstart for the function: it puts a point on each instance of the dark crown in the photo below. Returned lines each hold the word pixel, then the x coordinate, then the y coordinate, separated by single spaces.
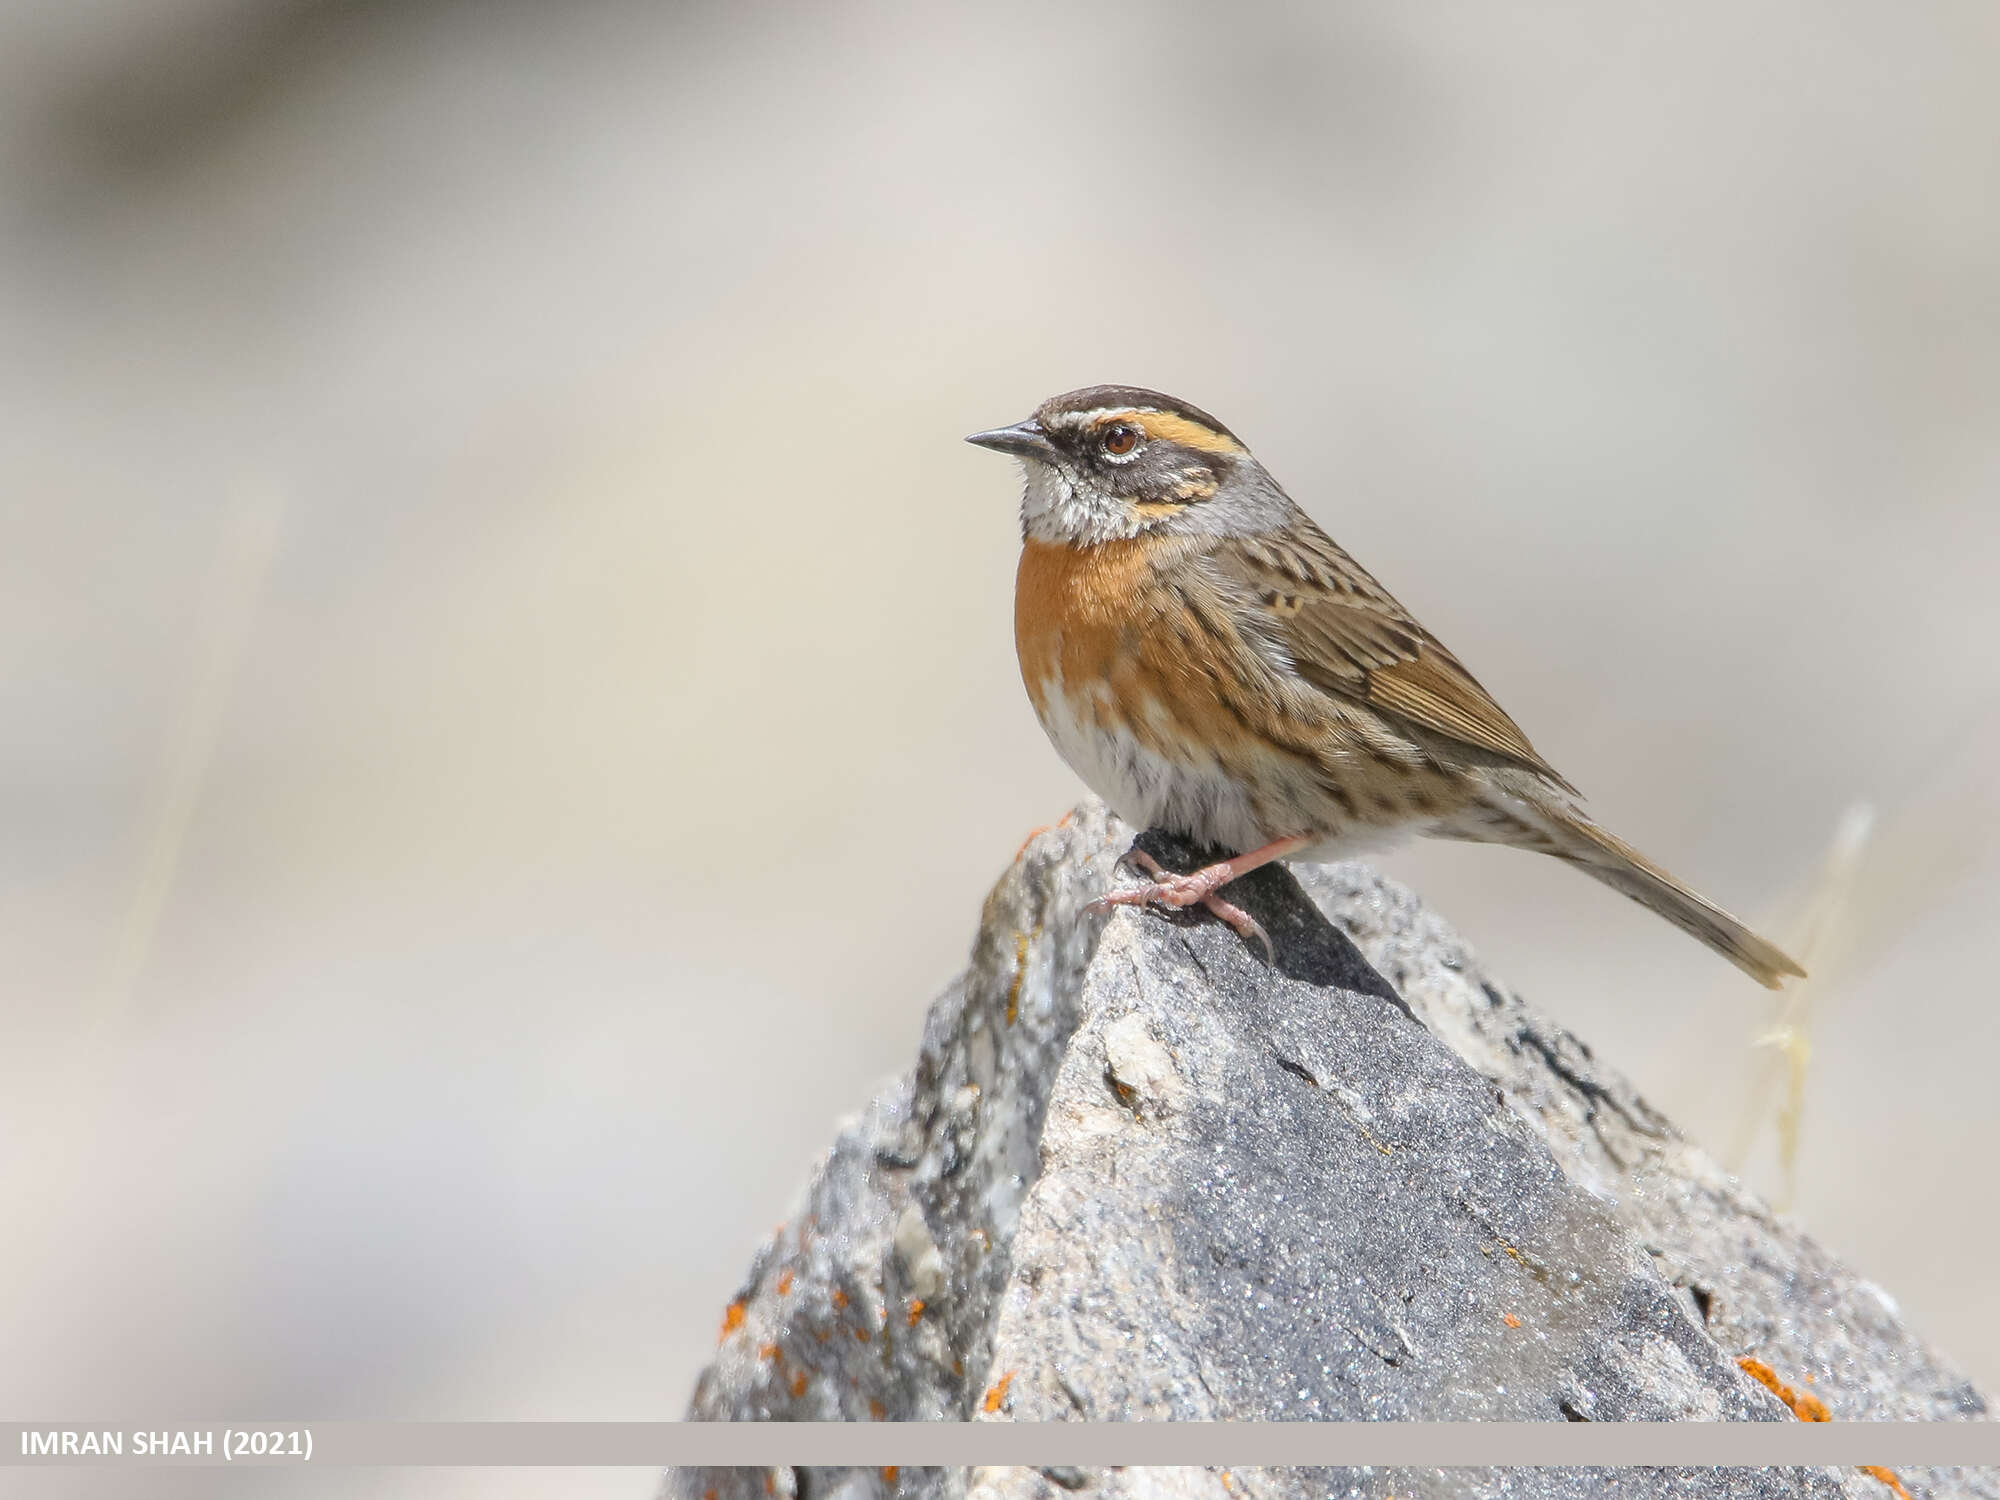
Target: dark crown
pixel 1128 397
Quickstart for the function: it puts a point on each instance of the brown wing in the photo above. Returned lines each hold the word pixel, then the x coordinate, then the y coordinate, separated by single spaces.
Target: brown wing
pixel 1346 635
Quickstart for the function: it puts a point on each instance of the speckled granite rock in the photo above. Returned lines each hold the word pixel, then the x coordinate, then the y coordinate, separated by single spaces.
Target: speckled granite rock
pixel 1138 1173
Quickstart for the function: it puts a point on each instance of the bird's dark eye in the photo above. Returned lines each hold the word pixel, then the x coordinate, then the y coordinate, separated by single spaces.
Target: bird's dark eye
pixel 1120 438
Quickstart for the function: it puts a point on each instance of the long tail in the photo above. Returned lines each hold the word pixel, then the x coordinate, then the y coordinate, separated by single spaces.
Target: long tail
pixel 1570 835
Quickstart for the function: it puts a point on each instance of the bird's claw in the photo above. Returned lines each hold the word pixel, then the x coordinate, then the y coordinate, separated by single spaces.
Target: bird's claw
pixel 1179 892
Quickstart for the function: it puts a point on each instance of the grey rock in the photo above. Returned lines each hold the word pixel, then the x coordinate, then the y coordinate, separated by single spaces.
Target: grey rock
pixel 1139 1173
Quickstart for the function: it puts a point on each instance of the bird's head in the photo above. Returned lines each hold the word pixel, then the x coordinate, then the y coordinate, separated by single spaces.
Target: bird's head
pixel 1115 461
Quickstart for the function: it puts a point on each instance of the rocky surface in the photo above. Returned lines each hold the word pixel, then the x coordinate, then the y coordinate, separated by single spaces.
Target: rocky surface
pixel 1138 1172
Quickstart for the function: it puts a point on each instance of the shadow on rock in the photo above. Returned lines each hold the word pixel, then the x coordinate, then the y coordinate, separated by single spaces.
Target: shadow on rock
pixel 1305 946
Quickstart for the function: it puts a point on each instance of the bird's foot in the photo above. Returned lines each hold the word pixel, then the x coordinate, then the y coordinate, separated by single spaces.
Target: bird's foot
pixel 1182 891
pixel 1168 888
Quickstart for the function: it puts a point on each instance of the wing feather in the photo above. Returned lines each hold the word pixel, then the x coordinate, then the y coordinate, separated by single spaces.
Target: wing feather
pixel 1347 636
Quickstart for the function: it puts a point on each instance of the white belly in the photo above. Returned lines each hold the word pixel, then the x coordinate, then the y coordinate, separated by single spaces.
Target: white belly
pixel 1150 790
pixel 1191 795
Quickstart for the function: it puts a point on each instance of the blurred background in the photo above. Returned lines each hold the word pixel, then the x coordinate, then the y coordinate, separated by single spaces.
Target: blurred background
pixel 507 699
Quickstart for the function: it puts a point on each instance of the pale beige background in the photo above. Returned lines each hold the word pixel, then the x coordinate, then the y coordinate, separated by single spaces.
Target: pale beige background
pixel 507 706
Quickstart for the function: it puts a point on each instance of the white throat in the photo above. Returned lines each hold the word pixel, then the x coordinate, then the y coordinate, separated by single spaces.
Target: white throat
pixel 1053 509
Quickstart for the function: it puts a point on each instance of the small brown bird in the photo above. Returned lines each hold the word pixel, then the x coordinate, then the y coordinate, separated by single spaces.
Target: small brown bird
pixel 1210 662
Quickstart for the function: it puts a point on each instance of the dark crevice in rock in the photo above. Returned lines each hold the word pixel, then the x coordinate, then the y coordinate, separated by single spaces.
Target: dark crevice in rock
pixel 1704 1301
pixel 1636 1114
pixel 1297 1070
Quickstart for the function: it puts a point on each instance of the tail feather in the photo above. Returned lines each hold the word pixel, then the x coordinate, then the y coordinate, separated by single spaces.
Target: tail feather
pixel 1571 836
pixel 1626 870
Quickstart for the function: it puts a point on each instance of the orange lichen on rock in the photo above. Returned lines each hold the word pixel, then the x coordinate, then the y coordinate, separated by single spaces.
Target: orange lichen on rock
pixel 1809 1408
pixel 1888 1477
pixel 1033 834
pixel 1020 973
pixel 1510 1320
pixel 861 1334
pixel 771 1351
pixel 732 1319
pixel 889 1474
pixel 785 1282
pixel 770 1481
pixel 876 1410
pixel 998 1393
pixel 916 1310
pixel 839 1299
pixel 798 1385
pixel 1804 1404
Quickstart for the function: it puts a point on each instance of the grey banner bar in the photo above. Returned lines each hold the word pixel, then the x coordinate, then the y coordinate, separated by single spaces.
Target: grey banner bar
pixel 1083 1444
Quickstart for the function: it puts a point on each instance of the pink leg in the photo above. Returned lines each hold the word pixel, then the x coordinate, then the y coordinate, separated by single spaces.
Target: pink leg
pixel 1199 888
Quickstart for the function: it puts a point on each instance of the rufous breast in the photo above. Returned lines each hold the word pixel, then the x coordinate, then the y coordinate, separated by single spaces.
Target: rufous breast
pixel 1077 610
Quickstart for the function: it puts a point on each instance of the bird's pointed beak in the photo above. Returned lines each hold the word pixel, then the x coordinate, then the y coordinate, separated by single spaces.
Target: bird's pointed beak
pixel 1023 440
